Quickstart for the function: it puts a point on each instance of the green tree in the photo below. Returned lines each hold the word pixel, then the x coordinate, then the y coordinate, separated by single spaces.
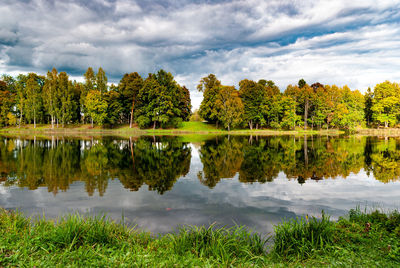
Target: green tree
pixel 161 102
pixel 65 98
pixel 210 86
pixel 185 105
pixel 230 107
pixel 289 117
pixel 90 84
pixel 76 92
pixel 96 107
pixel 253 96
pixel 114 108
pixel 101 81
pixel 320 108
pixel 33 102
pixel 368 98
pixel 7 100
pixel 349 112
pixel 303 95
pixel 274 110
pixel 21 96
pixel 90 80
pixel 50 89
pixel 386 103
pixel 128 88
pixel 302 83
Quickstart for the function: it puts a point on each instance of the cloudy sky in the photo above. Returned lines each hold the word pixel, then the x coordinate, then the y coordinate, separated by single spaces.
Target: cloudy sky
pixel 343 42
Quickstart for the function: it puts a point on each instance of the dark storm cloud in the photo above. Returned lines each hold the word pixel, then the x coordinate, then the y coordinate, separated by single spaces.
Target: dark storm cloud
pixel 279 40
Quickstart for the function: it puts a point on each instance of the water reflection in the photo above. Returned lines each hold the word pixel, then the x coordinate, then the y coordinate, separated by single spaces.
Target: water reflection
pixel 159 162
pixel 56 163
pixel 300 158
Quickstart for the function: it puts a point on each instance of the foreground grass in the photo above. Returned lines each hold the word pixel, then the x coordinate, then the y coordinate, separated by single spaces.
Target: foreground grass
pixel 361 239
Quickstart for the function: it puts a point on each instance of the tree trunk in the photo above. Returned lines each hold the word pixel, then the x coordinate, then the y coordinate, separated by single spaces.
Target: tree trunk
pixel 20 120
pixel 312 123
pixel 34 119
pixel 386 124
pixel 154 125
pixel 217 124
pixel 229 128
pixel 91 121
pixel 306 113
pixel 52 121
pixel 251 124
pixel 131 121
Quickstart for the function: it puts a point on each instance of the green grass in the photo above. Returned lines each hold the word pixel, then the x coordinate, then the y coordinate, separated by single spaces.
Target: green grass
pixel 186 128
pixel 300 238
pixel 360 239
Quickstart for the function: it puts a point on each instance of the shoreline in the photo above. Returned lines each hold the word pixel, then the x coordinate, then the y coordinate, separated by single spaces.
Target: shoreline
pixel 189 128
pixel 200 129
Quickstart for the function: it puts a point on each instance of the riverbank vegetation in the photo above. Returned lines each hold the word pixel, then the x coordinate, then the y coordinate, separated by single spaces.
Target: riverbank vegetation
pixel 159 102
pixel 359 239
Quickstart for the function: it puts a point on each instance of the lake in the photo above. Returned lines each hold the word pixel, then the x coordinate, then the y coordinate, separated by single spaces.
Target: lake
pixel 159 183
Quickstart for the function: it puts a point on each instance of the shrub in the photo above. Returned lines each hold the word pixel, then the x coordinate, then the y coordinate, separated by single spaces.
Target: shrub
pixel 143 121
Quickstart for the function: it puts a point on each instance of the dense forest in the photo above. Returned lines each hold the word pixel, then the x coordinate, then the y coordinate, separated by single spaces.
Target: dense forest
pixel 158 101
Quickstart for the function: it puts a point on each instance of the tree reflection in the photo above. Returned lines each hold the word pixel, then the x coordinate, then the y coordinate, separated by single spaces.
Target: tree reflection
pixel 58 162
pixel 260 159
pixel 221 158
pixel 384 159
pixel 159 162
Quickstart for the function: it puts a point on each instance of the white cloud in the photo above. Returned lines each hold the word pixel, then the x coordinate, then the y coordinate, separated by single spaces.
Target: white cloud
pixel 342 42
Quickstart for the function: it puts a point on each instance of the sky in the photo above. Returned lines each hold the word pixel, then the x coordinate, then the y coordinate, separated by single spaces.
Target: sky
pixel 354 43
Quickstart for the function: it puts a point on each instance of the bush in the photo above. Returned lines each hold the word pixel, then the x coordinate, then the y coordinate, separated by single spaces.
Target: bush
pixel 175 122
pixel 275 125
pixel 143 121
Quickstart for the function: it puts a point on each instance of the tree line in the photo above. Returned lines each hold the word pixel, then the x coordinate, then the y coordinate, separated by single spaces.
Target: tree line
pixel 262 104
pixel 158 101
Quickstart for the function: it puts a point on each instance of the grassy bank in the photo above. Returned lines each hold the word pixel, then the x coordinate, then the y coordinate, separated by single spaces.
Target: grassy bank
pixel 185 128
pixel 360 239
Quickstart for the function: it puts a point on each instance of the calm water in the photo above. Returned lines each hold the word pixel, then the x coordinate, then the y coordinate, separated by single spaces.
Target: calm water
pixel 159 183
